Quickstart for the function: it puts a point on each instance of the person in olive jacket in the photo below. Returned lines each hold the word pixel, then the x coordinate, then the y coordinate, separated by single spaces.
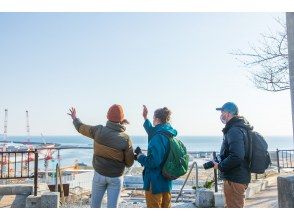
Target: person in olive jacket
pixel 112 153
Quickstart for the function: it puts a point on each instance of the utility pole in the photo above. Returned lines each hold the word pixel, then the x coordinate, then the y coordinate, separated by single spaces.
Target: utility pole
pixel 290 38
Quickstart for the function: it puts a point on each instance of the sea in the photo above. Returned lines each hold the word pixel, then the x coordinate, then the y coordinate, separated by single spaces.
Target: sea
pixel 193 143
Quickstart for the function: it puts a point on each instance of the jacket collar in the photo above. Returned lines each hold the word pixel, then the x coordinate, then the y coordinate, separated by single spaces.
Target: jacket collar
pixel 237 121
pixel 115 126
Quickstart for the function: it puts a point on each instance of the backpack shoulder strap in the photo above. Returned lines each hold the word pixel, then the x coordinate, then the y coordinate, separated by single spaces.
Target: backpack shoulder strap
pixel 169 137
pixel 247 142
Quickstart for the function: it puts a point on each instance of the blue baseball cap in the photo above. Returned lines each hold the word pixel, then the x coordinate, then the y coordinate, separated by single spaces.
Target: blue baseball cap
pixel 229 107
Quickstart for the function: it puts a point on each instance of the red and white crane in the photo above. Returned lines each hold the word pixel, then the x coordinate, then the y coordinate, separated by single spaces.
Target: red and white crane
pixel 28 126
pixel 4 159
pixel 5 125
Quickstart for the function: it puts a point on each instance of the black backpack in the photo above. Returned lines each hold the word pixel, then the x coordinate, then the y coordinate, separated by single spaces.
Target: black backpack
pixel 258 156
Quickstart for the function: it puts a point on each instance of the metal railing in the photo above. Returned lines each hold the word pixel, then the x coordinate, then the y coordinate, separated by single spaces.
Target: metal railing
pixel 16 165
pixel 285 159
pixel 187 177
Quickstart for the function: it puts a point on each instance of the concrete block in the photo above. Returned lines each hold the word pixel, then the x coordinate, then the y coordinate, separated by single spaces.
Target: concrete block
pixel 248 193
pixel 219 199
pixel 259 185
pixel 204 198
pixel 33 201
pixel 286 191
pixel 252 189
pixel 264 184
pixel 50 200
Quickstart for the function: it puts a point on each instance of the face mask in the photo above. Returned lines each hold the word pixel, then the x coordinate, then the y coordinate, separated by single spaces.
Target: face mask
pixel 222 119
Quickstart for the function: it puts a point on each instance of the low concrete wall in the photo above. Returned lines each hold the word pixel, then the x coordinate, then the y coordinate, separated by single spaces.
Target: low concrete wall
pixel 16 189
pixel 25 199
pixel 253 188
pixel 46 200
pixel 33 202
pixel 286 191
pixel 50 200
pixel 20 191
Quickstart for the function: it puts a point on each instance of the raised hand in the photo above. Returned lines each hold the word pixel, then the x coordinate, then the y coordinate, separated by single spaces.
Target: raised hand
pixel 145 112
pixel 72 113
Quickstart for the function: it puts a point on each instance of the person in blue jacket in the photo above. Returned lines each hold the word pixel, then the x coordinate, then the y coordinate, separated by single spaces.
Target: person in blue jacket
pixel 157 188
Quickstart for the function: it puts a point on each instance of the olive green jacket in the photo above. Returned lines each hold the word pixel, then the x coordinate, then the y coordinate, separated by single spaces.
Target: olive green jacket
pixel 113 149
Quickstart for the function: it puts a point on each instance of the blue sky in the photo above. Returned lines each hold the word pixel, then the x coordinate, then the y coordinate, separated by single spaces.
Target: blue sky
pixel 52 61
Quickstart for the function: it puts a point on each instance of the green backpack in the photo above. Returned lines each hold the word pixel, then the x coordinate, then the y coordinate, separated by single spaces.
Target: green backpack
pixel 177 160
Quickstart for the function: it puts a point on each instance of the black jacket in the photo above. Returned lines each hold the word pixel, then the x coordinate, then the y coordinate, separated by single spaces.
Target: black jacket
pixel 234 151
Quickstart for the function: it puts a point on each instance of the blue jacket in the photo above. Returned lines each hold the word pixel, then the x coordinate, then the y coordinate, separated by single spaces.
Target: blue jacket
pixel 158 147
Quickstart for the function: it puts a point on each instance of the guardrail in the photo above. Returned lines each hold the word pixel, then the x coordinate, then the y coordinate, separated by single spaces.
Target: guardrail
pixel 285 159
pixel 20 162
pixel 16 165
pixel 187 177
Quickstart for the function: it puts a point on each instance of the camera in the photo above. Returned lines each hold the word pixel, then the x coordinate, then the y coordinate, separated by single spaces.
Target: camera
pixel 210 164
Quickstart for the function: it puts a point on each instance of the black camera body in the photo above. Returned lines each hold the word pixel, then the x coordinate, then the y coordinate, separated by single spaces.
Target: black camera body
pixel 210 164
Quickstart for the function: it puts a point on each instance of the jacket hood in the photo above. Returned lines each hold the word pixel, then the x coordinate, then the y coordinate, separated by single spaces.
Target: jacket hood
pixel 167 129
pixel 237 121
pixel 115 126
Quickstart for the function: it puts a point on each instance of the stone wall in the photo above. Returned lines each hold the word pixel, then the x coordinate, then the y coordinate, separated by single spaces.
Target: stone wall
pixel 23 197
pixel 20 191
pixel 286 191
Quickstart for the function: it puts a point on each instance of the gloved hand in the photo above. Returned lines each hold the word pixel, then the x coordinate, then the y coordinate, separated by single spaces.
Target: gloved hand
pixel 138 150
pixel 137 153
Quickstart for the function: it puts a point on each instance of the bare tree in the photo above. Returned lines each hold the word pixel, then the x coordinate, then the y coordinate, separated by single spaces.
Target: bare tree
pixel 268 62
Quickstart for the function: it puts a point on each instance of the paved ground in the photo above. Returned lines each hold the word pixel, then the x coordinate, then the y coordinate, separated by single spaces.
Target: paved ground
pixel 265 199
pixel 7 201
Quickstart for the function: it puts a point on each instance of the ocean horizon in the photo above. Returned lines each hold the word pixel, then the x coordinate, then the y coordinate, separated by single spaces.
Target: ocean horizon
pixel 195 143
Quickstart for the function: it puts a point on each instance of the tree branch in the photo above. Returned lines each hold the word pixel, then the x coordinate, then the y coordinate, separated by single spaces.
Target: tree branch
pixel 268 62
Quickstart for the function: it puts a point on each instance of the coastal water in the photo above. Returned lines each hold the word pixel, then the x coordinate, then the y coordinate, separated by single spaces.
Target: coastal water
pixel 193 143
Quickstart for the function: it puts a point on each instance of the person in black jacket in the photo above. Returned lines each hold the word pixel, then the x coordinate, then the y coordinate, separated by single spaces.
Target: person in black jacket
pixel 234 166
